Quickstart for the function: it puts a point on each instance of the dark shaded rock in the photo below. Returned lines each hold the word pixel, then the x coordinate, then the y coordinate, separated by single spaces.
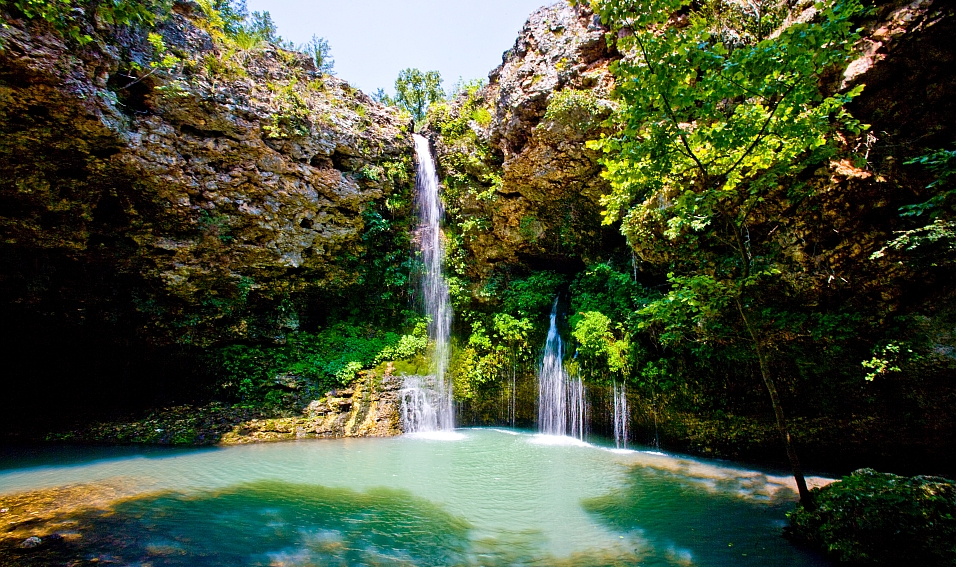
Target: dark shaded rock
pixel 202 188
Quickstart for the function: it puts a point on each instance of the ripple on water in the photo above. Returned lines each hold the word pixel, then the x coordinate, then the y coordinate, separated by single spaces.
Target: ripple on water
pixel 557 440
pixel 437 435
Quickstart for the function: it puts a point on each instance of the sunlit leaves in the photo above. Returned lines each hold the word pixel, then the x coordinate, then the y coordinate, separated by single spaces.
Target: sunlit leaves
pixel 712 117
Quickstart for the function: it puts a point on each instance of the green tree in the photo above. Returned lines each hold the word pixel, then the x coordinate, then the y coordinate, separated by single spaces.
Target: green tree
pixel 318 49
pixel 262 25
pixel 415 91
pixel 233 13
pixel 381 96
pixel 716 114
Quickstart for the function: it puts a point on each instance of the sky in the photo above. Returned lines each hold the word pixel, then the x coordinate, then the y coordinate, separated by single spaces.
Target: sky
pixel 372 40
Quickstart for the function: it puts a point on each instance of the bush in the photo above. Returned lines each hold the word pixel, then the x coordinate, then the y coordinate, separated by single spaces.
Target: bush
pixel 326 359
pixel 875 518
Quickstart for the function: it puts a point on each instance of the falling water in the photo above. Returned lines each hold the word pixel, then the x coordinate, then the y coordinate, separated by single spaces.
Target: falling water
pixel 577 408
pixel 621 415
pixel 552 382
pixel 427 402
pixel 561 401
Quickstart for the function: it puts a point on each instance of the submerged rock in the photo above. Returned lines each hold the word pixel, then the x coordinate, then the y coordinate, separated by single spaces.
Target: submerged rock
pixel 31 542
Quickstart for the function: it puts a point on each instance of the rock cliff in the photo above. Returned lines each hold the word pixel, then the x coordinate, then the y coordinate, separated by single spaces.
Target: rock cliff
pixel 523 189
pixel 209 181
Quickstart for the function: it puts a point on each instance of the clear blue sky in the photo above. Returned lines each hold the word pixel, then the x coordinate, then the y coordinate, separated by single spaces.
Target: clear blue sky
pixel 372 40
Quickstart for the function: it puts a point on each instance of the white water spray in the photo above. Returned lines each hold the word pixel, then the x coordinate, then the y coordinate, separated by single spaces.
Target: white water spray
pixel 427 402
pixel 561 400
pixel 621 415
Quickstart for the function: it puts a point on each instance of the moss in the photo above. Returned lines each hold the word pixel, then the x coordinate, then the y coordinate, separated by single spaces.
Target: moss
pixel 875 518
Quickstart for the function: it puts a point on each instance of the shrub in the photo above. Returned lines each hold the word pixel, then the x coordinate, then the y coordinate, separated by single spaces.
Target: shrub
pixel 326 359
pixel 882 519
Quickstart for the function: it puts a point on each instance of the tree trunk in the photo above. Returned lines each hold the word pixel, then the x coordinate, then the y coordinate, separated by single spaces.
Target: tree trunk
pixel 805 498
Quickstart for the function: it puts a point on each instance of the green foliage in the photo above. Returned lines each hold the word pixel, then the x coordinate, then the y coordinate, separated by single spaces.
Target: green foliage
pixel 326 359
pixel 931 245
pixel 261 24
pixel 318 48
pixel 604 326
pixel 715 119
pixel 66 16
pixel 500 341
pixel 531 296
pixel 714 124
pixel 882 519
pixel 596 339
pixel 292 118
pixel 233 15
pixel 942 163
pixel 578 109
pixel 416 90
pixel 934 243
pixel 164 59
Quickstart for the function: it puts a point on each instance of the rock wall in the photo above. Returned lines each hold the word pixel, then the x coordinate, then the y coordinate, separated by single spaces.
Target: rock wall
pixel 514 156
pixel 229 177
pixel 368 408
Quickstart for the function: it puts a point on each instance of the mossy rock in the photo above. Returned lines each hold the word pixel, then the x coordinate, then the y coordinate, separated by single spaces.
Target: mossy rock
pixel 872 518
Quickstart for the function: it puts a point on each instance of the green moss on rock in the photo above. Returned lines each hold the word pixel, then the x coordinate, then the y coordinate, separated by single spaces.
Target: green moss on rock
pixel 873 518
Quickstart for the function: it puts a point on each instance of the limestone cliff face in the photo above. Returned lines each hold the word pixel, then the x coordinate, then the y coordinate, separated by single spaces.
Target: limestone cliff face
pixel 227 178
pixel 524 189
pixel 514 155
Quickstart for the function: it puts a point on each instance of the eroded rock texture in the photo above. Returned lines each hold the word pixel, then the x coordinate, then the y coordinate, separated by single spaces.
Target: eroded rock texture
pixel 234 177
pixel 523 186
pixel 157 198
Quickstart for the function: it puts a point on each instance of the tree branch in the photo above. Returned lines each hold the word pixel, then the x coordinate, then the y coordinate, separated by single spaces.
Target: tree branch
pixel 669 111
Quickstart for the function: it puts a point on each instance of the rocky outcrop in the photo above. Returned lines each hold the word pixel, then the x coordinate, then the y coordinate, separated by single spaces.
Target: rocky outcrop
pixel 364 410
pixel 209 180
pixel 522 182
pixel 368 408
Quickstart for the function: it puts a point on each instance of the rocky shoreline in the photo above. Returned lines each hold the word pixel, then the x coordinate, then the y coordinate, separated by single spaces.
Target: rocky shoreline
pixel 367 408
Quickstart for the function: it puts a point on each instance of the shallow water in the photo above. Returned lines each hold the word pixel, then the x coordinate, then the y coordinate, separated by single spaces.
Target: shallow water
pixel 474 497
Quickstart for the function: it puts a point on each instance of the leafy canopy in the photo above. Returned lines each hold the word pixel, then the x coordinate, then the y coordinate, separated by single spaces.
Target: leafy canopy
pixel 416 90
pixel 712 117
pixel 716 113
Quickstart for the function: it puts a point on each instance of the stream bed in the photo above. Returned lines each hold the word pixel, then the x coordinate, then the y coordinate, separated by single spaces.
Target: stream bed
pixel 473 497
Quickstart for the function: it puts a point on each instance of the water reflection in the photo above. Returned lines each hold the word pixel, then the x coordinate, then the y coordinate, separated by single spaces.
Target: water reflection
pixel 703 515
pixel 283 524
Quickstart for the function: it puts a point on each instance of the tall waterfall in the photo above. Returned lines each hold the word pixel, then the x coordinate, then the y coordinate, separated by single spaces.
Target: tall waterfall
pixel 427 402
pixel 561 407
pixel 621 415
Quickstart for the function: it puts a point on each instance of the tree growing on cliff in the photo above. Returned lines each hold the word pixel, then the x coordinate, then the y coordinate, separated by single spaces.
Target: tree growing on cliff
pixel 318 48
pixel 416 90
pixel 718 112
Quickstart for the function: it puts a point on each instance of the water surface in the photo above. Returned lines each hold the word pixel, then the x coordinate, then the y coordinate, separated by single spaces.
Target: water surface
pixel 478 497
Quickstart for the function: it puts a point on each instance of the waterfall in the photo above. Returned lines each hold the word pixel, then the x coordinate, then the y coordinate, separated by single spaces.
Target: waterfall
pixel 561 401
pixel 621 415
pixel 577 408
pixel 427 402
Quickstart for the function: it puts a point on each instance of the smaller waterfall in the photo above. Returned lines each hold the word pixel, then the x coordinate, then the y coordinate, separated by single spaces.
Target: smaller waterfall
pixel 577 408
pixel 421 403
pixel 621 415
pixel 552 382
pixel 561 401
